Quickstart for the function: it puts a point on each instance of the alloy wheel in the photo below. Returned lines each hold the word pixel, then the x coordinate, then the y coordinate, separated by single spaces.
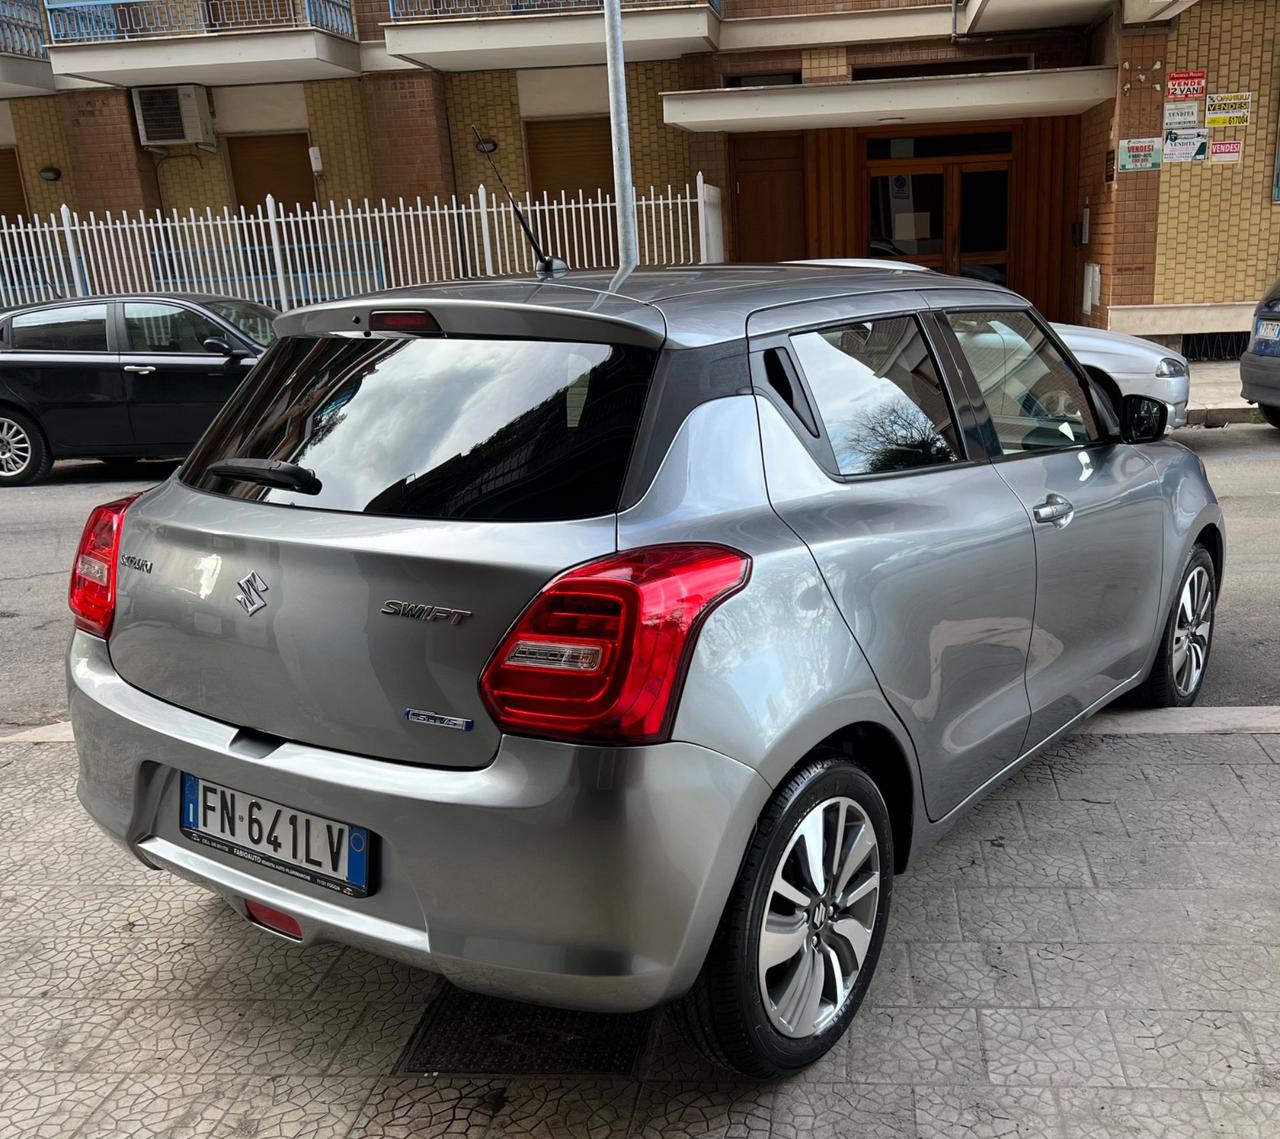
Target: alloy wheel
pixel 819 917
pixel 15 447
pixel 1192 629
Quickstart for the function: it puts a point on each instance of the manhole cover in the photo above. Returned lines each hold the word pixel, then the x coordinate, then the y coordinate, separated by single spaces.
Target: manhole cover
pixel 463 1034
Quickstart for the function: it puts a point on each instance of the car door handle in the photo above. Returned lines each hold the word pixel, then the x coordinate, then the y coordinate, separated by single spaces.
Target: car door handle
pixel 1055 509
pixel 139 369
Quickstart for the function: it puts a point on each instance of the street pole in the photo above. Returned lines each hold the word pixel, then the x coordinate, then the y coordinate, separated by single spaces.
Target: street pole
pixel 624 194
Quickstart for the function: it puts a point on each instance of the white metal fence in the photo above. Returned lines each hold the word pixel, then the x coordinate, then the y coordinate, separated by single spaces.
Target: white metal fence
pixel 287 258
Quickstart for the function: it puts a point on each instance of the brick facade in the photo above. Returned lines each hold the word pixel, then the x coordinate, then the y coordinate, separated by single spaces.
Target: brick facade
pixel 659 153
pixel 42 141
pixel 114 172
pixel 407 131
pixel 336 121
pixel 194 179
pixel 489 100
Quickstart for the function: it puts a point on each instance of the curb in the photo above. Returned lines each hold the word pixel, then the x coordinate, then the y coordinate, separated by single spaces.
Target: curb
pixel 1219 416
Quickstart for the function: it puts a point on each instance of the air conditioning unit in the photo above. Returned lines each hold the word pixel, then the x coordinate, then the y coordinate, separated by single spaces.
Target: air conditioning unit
pixel 173 116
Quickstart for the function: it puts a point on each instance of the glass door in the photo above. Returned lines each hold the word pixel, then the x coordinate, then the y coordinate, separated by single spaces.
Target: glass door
pixel 909 215
pixel 982 222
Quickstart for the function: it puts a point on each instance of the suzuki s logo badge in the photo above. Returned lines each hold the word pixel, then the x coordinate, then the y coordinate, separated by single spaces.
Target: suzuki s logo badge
pixel 250 597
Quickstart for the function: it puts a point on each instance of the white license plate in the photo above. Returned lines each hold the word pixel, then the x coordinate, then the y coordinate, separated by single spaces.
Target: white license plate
pixel 302 845
pixel 1269 330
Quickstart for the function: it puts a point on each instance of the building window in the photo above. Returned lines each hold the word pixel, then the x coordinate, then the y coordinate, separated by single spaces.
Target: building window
pixel 769 79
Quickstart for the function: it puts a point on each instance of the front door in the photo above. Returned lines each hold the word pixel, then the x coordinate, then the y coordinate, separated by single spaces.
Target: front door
pixel 1096 508
pixel 173 384
pixel 768 173
pixel 952 216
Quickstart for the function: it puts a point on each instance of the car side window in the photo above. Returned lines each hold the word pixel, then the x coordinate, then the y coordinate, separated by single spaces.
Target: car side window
pixel 77 328
pixel 155 327
pixel 1036 400
pixel 879 394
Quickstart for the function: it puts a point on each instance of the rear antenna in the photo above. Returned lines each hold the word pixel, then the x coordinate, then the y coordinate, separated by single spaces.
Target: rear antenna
pixel 544 266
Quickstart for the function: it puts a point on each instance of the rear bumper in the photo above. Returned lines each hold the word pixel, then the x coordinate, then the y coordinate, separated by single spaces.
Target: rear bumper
pixel 1260 378
pixel 1175 391
pixel 580 877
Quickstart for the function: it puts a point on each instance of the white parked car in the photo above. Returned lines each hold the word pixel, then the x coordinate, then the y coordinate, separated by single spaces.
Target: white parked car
pixel 1136 366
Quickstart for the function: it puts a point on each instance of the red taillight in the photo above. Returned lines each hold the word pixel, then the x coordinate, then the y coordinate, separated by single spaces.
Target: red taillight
pixel 93 575
pixel 403 320
pixel 273 919
pixel 600 655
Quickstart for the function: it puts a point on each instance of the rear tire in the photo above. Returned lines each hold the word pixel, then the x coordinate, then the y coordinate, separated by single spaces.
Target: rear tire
pixel 24 454
pixel 1271 413
pixel 1183 657
pixel 783 980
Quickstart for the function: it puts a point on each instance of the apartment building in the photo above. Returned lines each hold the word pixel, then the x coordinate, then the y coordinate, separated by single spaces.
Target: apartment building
pixel 1115 160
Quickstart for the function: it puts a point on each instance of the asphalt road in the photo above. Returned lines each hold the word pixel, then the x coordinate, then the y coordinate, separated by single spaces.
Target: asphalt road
pixel 40 526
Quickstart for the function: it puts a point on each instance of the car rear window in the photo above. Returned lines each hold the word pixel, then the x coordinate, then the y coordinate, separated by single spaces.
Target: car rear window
pixel 496 430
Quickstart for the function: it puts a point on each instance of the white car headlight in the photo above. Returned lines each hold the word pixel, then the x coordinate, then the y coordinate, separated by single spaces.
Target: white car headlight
pixel 1169 367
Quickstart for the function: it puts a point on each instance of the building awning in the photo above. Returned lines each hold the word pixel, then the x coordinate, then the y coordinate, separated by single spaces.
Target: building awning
pixel 881 102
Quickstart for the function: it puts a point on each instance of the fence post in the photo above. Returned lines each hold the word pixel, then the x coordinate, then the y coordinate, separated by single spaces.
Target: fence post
pixel 710 223
pixel 483 197
pixel 73 253
pixel 276 254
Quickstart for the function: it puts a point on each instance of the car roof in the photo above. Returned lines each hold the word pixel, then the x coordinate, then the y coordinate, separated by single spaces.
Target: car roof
pixel 686 305
pixel 63 302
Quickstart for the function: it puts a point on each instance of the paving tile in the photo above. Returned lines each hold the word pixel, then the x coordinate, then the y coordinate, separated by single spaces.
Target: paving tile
pixel 1034 781
pixel 1134 915
pixel 916 1046
pixel 1251 820
pixel 1196 781
pixel 162 1107
pixel 164 1036
pixel 1139 865
pixel 993 818
pixel 1234 865
pixel 1184 1049
pixel 1189 747
pixel 924 911
pixel 987 1113
pixel 1244 1115
pixel 1042 862
pixel 374 978
pixel 566 1109
pixel 292 1107
pixel 1099 782
pixel 891 982
pixel 282 1038
pixel 53 1035
pixel 1271 745
pixel 1173 821
pixel 261 966
pixel 375 1045
pixel 1073 819
pixel 955 860
pixel 1017 913
pixel 1095 976
pixel 970 974
pixel 171 910
pixel 1050 1047
pixel 429 1109
pixel 37 1105
pixel 58 968
pixel 843 1111
pixel 1235 916
pixel 1261 783
pixel 1089 1113
pixel 682 1111
pixel 93 859
pixel 1204 977
pixel 1264 1030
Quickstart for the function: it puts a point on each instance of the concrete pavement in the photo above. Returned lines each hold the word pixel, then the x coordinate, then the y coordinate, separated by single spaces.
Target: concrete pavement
pixel 1215 395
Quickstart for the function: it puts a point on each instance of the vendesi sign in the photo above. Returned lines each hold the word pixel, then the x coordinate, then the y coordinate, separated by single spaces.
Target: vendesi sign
pixel 1228 110
pixel 1140 154
pixel 1226 150
pixel 1186 146
pixel 1182 114
pixel 1185 85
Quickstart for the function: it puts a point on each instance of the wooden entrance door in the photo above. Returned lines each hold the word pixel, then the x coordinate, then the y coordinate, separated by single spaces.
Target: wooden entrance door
pixel 275 164
pixel 949 215
pixel 768 176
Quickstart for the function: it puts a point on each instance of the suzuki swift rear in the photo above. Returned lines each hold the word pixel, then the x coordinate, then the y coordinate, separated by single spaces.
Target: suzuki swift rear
pixel 494 628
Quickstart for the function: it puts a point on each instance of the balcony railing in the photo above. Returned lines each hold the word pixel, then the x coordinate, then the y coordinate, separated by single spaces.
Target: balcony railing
pixel 413 10
pixel 20 31
pixel 96 21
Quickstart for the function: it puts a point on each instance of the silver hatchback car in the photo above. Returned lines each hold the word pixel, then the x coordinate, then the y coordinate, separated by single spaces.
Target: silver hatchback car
pixel 608 648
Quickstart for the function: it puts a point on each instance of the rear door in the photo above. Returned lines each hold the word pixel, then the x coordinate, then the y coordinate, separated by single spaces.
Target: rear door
pixel 457 476
pixel 61 363
pixel 1096 505
pixel 173 384
pixel 926 550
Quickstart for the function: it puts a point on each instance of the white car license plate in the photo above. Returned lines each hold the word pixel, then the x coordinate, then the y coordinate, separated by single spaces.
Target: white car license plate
pixel 311 847
pixel 1269 330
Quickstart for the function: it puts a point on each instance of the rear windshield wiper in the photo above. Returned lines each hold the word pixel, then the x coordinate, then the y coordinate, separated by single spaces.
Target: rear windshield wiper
pixel 267 472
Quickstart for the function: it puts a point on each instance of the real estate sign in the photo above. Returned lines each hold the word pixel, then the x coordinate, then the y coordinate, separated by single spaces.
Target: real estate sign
pixel 1185 85
pixel 1181 114
pixel 1140 154
pixel 1186 146
pixel 1228 110
pixel 1226 150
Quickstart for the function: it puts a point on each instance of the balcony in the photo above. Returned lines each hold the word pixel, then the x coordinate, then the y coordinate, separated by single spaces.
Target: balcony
pixel 24 63
pixel 135 43
pixel 465 35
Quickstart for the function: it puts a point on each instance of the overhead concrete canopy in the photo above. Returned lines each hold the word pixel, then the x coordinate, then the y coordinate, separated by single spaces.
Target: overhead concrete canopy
pixel 880 102
pixel 20 76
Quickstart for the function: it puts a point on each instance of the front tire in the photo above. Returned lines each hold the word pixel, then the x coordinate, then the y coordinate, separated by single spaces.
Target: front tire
pixel 1271 413
pixel 802 930
pixel 24 454
pixel 1183 657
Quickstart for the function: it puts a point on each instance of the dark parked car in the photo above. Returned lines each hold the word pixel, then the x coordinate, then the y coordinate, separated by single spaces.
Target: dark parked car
pixel 119 377
pixel 1260 365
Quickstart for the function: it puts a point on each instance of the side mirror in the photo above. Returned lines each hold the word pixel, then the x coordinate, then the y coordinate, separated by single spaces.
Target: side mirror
pixel 1142 419
pixel 219 346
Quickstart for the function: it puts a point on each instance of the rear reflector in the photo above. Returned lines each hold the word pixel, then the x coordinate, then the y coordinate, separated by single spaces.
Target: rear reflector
pixel 92 596
pixel 601 653
pixel 402 320
pixel 274 919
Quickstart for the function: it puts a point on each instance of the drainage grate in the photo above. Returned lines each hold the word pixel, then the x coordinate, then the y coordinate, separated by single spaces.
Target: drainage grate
pixel 463 1034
